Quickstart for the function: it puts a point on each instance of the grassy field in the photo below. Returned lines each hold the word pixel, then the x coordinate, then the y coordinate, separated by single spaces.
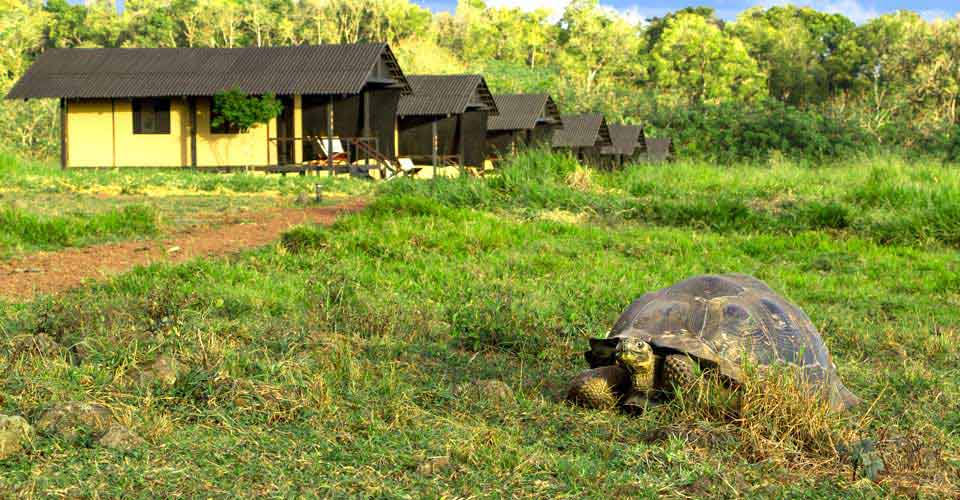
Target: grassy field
pixel 45 208
pixel 345 361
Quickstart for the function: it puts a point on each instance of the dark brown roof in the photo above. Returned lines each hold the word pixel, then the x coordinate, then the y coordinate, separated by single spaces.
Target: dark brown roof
pixel 582 131
pixel 306 69
pixel 626 139
pixel 446 95
pixel 523 111
pixel 659 149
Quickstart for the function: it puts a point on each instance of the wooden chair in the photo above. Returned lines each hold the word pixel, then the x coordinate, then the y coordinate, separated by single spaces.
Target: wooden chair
pixel 339 156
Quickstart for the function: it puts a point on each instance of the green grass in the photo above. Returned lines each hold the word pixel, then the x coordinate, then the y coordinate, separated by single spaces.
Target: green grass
pixel 883 199
pixel 30 176
pixel 43 207
pixel 330 364
pixel 21 231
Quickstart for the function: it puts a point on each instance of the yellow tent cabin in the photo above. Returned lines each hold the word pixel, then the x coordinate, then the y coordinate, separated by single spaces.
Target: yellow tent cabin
pixel 153 107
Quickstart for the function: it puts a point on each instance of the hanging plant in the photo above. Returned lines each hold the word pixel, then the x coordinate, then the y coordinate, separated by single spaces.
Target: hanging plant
pixel 236 110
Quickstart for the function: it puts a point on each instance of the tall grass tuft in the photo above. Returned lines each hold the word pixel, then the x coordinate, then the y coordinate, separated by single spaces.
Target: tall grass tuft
pixel 774 416
pixel 886 200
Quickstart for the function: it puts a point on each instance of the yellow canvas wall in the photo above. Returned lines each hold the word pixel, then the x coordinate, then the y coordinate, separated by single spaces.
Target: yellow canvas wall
pixel 152 150
pixel 251 148
pixel 100 134
pixel 90 133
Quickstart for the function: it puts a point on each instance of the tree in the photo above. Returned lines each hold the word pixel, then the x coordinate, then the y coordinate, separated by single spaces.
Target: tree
pixel 596 50
pixel 791 45
pixel 695 58
pixel 655 26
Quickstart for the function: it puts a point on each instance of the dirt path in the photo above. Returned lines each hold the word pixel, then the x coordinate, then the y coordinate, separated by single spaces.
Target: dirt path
pixel 51 272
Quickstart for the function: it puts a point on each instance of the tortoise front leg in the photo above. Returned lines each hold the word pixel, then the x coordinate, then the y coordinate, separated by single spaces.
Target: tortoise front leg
pixel 599 387
pixel 679 373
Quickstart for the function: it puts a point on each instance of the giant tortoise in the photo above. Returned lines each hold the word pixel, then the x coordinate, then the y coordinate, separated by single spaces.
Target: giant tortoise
pixel 718 324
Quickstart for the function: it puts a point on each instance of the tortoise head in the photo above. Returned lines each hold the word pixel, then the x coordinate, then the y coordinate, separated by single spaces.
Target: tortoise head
pixel 636 357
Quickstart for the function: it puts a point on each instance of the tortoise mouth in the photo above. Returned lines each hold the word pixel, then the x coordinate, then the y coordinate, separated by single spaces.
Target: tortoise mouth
pixel 636 357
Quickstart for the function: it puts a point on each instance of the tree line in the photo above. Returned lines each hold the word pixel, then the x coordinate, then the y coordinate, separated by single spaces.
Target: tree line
pixel 779 80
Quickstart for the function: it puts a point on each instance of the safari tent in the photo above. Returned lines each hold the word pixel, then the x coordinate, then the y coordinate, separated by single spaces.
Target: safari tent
pixel 583 135
pixel 659 150
pixel 153 107
pixel 524 120
pixel 628 145
pixel 443 121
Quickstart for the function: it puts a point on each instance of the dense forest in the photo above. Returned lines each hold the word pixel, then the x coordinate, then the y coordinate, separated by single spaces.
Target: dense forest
pixel 776 82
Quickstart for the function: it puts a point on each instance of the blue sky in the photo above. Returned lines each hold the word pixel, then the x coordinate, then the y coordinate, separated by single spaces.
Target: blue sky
pixel 858 10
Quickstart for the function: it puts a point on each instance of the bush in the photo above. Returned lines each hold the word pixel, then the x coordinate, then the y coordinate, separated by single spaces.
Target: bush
pixel 735 132
pixel 234 109
pixel 303 239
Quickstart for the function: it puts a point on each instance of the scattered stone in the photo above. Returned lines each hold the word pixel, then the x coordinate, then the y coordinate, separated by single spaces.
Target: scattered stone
pixel 434 465
pixel 73 419
pixel 25 270
pixel 492 390
pixel 163 370
pixel 121 438
pixel 141 249
pixel 15 433
pixel 40 344
pixel 173 249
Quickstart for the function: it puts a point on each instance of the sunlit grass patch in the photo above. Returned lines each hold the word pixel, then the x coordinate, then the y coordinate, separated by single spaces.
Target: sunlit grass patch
pixel 21 230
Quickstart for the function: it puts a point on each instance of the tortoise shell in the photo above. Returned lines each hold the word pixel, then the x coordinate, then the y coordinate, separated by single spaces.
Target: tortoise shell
pixel 726 321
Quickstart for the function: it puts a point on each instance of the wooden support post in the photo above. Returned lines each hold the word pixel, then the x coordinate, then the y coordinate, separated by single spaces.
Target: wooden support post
pixel 433 127
pixel 113 133
pixel 366 114
pixel 461 149
pixel 366 127
pixel 330 134
pixel 63 133
pixel 193 131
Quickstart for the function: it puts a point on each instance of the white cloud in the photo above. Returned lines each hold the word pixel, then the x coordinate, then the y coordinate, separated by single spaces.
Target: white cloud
pixel 934 14
pixel 556 8
pixel 858 11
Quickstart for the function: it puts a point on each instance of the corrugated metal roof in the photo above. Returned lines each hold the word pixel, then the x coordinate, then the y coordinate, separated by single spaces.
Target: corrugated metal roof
pixel 164 72
pixel 522 111
pixel 582 131
pixel 625 138
pixel 444 95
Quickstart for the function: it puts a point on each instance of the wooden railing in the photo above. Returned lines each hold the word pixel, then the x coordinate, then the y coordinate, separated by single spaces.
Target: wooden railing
pixel 343 152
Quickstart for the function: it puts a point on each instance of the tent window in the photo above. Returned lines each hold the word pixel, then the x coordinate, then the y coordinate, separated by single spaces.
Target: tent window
pixel 151 116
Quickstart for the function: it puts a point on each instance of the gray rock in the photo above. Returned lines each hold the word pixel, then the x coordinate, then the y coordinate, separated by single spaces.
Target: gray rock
pixel 492 390
pixel 40 344
pixel 162 370
pixel 73 419
pixel 15 433
pixel 434 465
pixel 121 438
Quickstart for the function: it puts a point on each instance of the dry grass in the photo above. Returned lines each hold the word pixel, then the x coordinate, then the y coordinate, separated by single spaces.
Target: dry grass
pixel 773 417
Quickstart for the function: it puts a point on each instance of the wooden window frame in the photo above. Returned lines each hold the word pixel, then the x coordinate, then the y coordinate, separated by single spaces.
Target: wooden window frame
pixel 158 112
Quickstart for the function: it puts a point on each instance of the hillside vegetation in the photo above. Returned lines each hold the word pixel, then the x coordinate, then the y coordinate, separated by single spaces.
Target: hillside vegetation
pixel 422 347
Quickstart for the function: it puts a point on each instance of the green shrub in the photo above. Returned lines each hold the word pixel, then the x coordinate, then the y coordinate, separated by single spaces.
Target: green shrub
pixel 303 238
pixel 735 132
pixel 235 109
